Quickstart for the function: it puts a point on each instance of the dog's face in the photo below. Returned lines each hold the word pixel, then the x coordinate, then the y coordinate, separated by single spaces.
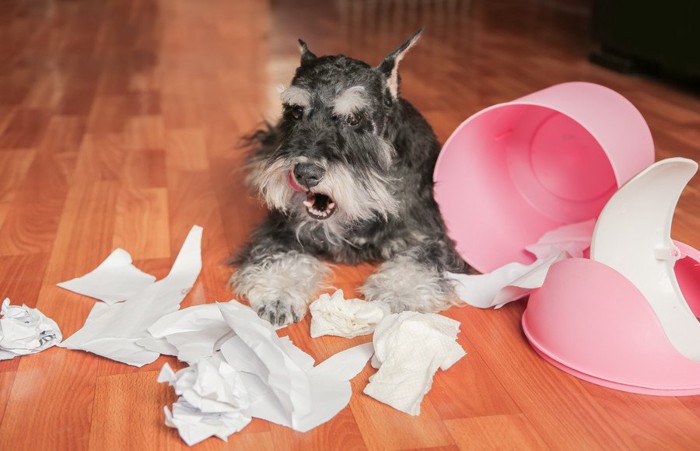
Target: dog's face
pixel 331 160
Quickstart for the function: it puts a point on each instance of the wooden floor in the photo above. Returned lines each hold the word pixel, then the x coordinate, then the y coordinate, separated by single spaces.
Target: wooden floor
pixel 118 125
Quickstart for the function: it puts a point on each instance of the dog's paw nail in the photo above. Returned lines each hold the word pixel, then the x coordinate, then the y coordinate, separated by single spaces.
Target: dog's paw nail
pixel 282 319
pixel 295 317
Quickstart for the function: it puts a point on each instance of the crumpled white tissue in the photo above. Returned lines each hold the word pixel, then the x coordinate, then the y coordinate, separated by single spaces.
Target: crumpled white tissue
pixel 113 331
pixel 114 280
pixel 25 330
pixel 212 402
pixel 284 386
pixel 409 349
pixel 514 281
pixel 335 315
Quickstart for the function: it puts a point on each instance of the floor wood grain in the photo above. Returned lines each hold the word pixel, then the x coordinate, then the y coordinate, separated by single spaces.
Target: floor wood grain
pixel 119 126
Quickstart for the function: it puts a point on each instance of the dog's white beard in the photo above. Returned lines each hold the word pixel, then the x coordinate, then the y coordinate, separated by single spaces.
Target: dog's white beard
pixel 271 181
pixel 358 196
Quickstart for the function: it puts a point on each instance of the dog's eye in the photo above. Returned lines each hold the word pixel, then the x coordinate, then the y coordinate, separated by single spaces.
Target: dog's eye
pixel 296 112
pixel 354 120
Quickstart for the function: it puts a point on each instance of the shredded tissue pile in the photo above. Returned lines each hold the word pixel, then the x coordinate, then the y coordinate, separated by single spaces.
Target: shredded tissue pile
pixel 238 367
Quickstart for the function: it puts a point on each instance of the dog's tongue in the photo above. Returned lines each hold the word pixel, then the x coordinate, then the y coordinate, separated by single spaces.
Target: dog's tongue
pixel 293 183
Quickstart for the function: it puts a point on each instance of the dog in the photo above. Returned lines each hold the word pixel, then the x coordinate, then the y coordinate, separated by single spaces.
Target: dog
pixel 346 174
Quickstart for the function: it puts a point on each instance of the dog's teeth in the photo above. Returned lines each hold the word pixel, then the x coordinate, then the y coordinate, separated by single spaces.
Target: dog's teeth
pixel 309 203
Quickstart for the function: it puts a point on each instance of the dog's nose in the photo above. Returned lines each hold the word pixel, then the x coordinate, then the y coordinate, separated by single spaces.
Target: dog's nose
pixel 308 174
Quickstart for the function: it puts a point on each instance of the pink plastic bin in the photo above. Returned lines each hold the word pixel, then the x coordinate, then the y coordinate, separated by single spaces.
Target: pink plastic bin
pixel 516 170
pixel 590 321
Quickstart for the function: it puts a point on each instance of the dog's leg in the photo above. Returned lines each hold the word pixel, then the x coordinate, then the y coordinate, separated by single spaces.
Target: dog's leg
pixel 277 281
pixel 406 282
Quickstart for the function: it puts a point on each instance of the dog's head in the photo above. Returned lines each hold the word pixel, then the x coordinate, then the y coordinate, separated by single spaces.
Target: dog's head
pixel 330 159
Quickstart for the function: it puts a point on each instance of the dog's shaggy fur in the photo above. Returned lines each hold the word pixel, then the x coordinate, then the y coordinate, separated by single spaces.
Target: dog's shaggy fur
pixel 347 176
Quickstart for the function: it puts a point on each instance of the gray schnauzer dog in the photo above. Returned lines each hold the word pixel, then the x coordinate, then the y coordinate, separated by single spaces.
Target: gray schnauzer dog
pixel 347 176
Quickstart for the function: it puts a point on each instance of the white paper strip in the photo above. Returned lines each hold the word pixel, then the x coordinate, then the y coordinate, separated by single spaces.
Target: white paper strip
pixel 112 331
pixel 114 280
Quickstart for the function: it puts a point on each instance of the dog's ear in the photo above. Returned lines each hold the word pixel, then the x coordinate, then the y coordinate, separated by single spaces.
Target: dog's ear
pixel 306 55
pixel 390 66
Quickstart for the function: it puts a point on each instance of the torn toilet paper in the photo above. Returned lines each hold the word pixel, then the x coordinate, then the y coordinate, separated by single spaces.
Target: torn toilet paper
pixel 514 281
pixel 335 315
pixel 114 280
pixel 25 330
pixel 212 400
pixel 112 331
pixel 409 349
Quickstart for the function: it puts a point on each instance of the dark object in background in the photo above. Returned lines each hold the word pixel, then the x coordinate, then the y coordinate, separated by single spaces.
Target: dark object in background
pixel 658 38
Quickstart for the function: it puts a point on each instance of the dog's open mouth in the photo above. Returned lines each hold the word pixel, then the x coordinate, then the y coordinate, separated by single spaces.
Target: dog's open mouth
pixel 319 206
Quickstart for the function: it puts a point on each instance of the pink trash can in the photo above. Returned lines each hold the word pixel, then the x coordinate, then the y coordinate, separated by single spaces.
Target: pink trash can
pixel 516 170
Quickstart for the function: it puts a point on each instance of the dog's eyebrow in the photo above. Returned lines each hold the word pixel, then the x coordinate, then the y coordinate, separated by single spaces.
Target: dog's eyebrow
pixel 295 95
pixel 351 100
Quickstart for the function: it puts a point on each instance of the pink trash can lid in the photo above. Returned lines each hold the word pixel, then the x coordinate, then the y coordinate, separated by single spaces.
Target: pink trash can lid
pixel 627 318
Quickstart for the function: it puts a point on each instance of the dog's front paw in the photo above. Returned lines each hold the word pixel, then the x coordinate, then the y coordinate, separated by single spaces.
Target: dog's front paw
pixel 280 313
pixel 407 284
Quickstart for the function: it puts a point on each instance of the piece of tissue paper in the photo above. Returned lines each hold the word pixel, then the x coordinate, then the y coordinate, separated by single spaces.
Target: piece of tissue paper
pixel 409 349
pixel 115 280
pixel 335 315
pixel 25 330
pixel 113 331
pixel 514 281
pixel 212 400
